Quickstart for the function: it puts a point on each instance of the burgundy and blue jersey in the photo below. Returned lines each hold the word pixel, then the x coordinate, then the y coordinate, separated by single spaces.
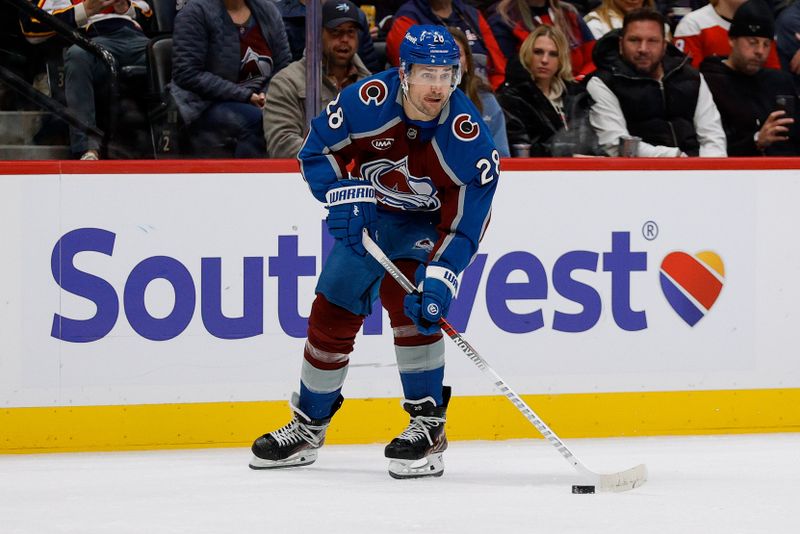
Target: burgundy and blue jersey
pixel 448 167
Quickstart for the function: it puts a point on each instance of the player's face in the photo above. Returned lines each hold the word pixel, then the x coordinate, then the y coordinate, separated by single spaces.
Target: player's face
pixel 339 44
pixel 644 46
pixel 429 88
pixel 748 54
pixel 544 61
pixel 624 6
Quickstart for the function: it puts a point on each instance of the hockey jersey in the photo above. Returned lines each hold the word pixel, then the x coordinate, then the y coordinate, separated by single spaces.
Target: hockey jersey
pixel 703 33
pixel 449 166
pixel 73 13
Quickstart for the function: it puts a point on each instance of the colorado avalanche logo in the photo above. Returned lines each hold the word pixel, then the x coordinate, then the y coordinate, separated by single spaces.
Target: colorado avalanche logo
pixel 424 244
pixel 464 128
pixel 396 188
pixel 373 91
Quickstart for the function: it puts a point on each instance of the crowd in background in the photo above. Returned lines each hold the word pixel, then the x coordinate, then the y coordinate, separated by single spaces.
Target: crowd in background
pixel 549 77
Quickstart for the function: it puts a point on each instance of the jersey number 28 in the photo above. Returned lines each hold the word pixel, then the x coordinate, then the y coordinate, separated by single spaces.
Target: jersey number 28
pixel 335 118
pixel 488 171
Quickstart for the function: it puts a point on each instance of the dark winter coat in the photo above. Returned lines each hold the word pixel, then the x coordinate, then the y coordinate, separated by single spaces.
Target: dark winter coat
pixel 745 102
pixel 661 112
pixel 206 54
pixel 532 119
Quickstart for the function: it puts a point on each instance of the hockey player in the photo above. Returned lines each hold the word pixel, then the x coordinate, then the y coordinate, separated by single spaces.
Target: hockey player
pixel 423 173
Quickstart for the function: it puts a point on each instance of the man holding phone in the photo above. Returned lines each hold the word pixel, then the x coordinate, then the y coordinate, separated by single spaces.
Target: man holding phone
pixel 757 105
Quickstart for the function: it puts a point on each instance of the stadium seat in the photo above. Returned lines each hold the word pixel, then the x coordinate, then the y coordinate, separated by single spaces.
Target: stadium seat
pixel 163 116
pixel 164 11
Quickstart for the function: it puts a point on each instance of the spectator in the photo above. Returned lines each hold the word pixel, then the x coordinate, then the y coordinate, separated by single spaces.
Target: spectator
pixel 112 24
pixel 787 40
pixel 481 94
pixel 646 87
pixel 515 19
pixel 675 10
pixel 224 54
pixel 540 97
pixel 609 15
pixel 746 93
pixel 490 63
pixel 285 122
pixel 294 19
pixel 704 32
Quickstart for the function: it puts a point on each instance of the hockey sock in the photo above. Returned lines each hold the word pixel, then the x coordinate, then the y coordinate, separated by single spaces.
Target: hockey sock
pixel 423 384
pixel 331 334
pixel 317 405
pixel 420 358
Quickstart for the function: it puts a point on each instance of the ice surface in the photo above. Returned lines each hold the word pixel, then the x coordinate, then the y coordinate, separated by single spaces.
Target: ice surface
pixel 710 484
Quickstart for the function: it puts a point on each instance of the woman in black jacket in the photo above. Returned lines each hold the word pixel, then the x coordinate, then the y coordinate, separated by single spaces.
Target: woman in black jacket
pixel 544 106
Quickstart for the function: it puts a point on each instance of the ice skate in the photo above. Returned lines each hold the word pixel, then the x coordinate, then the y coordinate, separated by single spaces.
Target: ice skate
pixel 417 452
pixel 295 443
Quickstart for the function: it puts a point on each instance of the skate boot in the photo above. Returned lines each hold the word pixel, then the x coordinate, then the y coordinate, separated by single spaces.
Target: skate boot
pixel 417 452
pixel 294 444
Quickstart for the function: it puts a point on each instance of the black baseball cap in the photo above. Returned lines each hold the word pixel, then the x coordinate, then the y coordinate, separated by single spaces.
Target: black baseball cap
pixel 337 12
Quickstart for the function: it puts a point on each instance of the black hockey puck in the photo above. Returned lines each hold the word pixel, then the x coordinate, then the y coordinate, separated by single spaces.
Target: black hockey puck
pixel 582 489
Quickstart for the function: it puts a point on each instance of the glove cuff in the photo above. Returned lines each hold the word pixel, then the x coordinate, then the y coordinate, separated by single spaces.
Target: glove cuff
pixel 445 275
pixel 349 194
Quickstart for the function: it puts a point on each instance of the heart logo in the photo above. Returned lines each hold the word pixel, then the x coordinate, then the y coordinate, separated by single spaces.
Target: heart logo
pixel 692 283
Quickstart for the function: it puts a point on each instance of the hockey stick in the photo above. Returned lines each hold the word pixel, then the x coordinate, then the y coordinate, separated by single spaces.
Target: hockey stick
pixel 616 482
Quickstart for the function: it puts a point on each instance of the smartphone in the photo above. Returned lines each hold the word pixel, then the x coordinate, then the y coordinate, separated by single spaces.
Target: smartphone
pixel 785 103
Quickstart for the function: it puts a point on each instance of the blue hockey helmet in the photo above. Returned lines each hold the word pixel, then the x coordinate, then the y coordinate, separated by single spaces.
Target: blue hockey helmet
pixel 432 46
pixel 427 44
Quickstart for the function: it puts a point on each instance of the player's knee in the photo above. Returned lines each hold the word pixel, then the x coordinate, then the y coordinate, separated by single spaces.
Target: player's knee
pixel 332 328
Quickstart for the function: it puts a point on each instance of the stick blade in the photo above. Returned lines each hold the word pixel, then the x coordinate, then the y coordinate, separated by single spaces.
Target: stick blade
pixel 624 480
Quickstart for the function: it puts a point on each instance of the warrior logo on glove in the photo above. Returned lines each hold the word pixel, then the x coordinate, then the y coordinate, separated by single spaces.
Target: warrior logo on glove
pixel 346 224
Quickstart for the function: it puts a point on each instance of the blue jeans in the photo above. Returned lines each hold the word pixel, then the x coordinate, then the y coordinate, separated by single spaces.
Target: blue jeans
pixel 239 121
pixel 83 72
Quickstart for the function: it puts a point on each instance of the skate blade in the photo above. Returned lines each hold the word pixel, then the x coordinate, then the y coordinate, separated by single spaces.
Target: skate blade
pixel 430 466
pixel 296 460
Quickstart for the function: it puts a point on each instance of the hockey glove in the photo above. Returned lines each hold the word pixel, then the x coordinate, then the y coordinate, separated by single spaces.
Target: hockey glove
pixel 437 286
pixel 351 207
